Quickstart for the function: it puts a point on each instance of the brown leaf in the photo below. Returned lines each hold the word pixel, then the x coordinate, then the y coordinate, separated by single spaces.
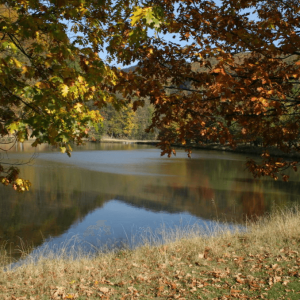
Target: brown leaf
pixel 161 288
pixel 108 282
pixel 234 291
pixel 173 286
pixel 239 280
pixel 104 290
pixel 285 282
pixel 206 252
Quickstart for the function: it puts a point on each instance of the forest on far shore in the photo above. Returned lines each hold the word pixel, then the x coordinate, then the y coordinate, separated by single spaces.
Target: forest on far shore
pixel 125 123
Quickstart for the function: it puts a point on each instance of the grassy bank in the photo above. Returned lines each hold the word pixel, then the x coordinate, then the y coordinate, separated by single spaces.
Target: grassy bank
pixel 262 263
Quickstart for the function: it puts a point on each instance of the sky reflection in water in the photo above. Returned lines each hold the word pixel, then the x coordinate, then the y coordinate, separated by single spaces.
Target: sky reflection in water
pixel 130 188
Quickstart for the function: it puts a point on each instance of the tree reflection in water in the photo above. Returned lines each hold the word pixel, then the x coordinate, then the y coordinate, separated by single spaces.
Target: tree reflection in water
pixel 64 194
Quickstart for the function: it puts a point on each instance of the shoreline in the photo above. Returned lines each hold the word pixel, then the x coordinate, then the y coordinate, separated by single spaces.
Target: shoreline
pixel 243 149
pixel 124 141
pixel 260 263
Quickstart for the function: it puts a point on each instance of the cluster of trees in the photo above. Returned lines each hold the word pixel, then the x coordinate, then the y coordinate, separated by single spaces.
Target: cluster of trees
pixel 127 123
pixel 234 77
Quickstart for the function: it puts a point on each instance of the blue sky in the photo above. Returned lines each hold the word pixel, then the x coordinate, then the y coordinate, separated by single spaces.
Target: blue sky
pixel 169 38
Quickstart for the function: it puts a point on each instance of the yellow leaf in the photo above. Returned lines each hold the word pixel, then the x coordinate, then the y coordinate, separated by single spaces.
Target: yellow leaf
pixel 63 149
pixel 64 90
pixel 80 79
pixel 136 15
pixel 78 106
pixel 19 181
pixel 24 69
pixel 17 63
pixel 41 85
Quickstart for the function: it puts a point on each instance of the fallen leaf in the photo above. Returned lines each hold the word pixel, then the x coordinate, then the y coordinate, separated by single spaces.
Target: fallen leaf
pixel 104 290
pixel 206 251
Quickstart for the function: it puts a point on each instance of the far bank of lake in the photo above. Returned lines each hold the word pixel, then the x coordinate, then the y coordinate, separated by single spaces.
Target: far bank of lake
pixel 245 149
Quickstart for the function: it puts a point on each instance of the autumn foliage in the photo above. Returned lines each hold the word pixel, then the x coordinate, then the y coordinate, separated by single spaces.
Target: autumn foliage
pixel 50 69
pixel 235 80
pixel 230 76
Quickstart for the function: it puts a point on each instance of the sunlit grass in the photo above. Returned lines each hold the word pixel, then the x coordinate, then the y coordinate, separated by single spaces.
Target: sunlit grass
pixel 179 263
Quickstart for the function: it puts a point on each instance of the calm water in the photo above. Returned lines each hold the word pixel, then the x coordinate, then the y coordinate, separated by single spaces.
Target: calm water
pixel 113 193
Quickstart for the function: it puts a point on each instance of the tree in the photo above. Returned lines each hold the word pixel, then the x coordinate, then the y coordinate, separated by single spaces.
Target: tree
pixel 142 120
pixel 239 67
pixel 118 124
pixel 126 123
pixel 49 70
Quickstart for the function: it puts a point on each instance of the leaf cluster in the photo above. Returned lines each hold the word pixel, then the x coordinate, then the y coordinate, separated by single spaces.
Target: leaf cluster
pixel 49 70
pixel 235 81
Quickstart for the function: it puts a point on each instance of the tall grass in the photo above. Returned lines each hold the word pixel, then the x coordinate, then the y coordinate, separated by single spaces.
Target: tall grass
pixel 187 262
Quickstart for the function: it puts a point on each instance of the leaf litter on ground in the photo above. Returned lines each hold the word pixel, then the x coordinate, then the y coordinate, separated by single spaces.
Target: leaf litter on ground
pixel 261 263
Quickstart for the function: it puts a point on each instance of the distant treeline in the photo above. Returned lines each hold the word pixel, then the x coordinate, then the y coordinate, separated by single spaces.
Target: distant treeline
pixel 126 123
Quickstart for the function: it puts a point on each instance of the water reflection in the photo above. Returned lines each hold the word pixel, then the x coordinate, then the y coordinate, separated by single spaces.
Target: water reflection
pixel 67 192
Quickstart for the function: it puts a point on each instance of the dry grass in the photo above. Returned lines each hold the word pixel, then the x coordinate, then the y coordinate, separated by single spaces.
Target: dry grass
pixel 262 263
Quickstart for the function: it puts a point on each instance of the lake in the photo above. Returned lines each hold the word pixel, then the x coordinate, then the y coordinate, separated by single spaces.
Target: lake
pixel 115 194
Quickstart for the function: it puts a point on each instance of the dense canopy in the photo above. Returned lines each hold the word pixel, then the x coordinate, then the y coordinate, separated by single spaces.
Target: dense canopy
pixel 225 72
pixel 235 80
pixel 50 69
